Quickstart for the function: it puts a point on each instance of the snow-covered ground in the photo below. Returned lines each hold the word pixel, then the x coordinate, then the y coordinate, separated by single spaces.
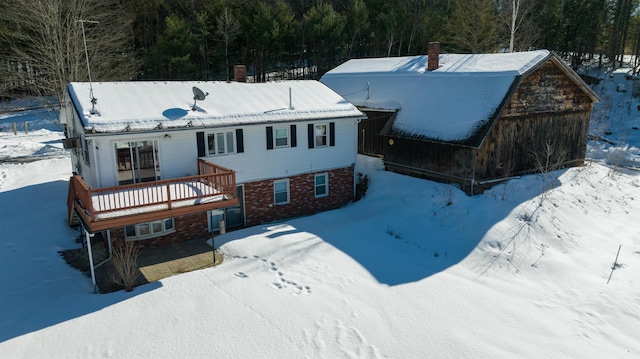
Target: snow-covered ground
pixel 415 269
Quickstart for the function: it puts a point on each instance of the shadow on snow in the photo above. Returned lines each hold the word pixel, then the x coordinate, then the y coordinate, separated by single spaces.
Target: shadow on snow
pixel 38 288
pixel 401 233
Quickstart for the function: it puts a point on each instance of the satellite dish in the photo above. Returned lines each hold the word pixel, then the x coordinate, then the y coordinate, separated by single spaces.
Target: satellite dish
pixel 198 95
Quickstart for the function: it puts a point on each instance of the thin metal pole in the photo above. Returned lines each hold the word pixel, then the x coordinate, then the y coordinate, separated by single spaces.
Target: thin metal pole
pixel 109 241
pixel 89 251
pixel 86 54
pixel 615 264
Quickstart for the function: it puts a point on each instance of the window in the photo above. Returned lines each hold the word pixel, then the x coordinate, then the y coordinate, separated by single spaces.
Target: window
pixel 220 143
pixel 281 192
pixel 321 135
pixel 149 229
pixel 137 161
pixel 168 224
pixel 282 137
pixel 143 229
pixel 321 185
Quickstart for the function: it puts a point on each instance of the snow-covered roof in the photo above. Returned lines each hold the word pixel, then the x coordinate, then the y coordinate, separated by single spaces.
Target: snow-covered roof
pixel 447 104
pixel 150 105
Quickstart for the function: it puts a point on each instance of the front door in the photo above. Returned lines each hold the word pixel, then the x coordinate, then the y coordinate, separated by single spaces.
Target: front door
pixel 137 161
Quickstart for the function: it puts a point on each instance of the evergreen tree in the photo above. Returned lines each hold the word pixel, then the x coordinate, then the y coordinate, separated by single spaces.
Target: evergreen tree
pixel 472 27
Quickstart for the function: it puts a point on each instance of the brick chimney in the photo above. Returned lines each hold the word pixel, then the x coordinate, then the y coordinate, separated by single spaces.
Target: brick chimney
pixel 240 73
pixel 433 56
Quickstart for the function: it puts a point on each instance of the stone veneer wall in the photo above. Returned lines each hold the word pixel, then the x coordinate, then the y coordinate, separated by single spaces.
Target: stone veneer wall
pixel 259 196
pixel 192 226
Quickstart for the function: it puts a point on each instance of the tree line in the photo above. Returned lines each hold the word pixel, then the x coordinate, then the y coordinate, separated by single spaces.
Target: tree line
pixel 42 42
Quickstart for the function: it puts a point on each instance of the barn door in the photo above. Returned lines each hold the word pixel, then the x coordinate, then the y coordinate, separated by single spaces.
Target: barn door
pixel 369 140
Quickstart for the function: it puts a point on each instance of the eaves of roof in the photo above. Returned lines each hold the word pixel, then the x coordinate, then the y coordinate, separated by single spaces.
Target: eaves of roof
pixel 479 136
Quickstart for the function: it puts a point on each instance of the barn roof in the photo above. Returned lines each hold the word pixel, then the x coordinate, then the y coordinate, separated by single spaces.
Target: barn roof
pixel 136 106
pixel 450 104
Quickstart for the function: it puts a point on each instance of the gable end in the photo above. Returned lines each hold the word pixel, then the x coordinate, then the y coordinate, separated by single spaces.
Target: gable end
pixel 547 89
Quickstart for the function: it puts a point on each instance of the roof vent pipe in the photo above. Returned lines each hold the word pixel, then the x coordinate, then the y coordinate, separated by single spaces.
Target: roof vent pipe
pixel 433 56
pixel 290 100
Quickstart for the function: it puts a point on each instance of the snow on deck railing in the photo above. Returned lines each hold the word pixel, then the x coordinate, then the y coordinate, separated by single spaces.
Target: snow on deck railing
pixel 212 184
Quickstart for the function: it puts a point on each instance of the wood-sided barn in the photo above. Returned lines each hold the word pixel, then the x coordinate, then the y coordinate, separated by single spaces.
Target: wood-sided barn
pixel 472 119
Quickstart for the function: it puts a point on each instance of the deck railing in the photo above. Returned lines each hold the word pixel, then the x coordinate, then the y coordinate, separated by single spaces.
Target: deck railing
pixel 213 183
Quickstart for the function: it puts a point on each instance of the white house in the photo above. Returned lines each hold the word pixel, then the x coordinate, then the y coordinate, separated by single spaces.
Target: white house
pixel 161 162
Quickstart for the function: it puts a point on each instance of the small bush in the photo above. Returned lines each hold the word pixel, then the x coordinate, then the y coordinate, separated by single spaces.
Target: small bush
pixel 362 184
pixel 125 265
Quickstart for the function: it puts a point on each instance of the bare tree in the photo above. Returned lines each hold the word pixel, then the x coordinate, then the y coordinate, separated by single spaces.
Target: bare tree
pixel 228 28
pixel 43 43
pixel 516 15
pixel 507 171
pixel 547 161
pixel 358 19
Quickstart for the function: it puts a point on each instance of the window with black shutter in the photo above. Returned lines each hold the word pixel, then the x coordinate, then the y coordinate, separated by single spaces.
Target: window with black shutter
pixel 239 141
pixel 269 137
pixel 294 137
pixel 310 136
pixel 200 143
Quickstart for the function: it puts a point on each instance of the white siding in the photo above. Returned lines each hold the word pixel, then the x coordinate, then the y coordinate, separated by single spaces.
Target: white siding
pixel 178 153
pixel 106 167
pixel 257 163
pixel 69 117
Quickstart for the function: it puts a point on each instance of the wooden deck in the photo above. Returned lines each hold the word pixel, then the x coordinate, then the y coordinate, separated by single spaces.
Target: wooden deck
pixel 118 206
